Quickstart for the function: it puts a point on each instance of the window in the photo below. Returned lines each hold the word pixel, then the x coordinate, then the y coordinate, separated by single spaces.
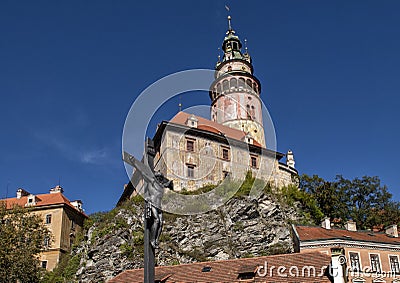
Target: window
pixel 233 83
pixel 355 262
pixel 248 111
pixel 225 153
pixel 253 161
pixel 190 145
pixel 72 224
pixel 394 264
pixel 225 85
pixel 46 242
pixel 242 82
pixel 375 264
pixel 226 174
pixel 190 171
pixel 43 264
pixel 48 219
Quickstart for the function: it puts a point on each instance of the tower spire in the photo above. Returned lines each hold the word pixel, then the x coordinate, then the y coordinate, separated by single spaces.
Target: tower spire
pixel 229 23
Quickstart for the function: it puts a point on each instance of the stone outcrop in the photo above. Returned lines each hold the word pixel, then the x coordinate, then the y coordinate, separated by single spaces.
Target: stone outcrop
pixel 240 228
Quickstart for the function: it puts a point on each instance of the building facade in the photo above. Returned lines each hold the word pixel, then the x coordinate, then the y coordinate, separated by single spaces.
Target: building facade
pixel 195 152
pixel 62 217
pixel 360 256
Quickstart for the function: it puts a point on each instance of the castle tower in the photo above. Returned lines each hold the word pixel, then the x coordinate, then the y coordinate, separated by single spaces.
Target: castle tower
pixel 235 92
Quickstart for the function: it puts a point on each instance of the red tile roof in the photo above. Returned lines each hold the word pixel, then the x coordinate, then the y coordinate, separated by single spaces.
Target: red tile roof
pixel 315 233
pixel 210 126
pixel 228 270
pixel 41 200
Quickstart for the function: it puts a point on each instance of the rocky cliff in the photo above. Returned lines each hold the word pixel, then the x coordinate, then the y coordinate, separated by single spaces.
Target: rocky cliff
pixel 240 228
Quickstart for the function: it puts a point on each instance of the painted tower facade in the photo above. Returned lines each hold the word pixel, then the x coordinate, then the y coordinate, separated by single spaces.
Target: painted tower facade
pixel 235 92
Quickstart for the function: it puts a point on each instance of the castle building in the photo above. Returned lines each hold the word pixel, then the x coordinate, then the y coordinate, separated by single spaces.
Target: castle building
pixel 358 256
pixel 194 151
pixel 64 219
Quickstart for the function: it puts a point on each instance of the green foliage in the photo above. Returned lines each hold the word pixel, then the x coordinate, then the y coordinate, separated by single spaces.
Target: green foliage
pixel 199 191
pixel 22 236
pixel 311 210
pixel 127 250
pixel 138 238
pixel 363 200
pixel 64 271
pixel 246 186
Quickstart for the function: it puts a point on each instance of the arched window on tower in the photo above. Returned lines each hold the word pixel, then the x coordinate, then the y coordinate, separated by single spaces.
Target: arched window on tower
pixel 241 83
pixel 219 90
pixel 253 112
pixel 255 88
pixel 249 84
pixel 225 85
pixel 233 83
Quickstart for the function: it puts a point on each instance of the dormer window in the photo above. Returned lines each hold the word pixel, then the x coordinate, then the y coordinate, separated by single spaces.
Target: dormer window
pixel 192 121
pixel 249 139
pixel 247 272
pixel 31 200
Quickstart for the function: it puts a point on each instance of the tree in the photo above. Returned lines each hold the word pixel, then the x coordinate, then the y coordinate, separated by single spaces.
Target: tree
pixel 363 200
pixel 22 237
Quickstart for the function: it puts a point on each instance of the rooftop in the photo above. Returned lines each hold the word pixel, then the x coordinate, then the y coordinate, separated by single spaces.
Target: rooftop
pixel 40 201
pixel 230 270
pixel 315 233
pixel 211 126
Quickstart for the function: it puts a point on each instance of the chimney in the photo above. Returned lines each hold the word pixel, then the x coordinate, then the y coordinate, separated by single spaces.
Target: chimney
pixel 56 189
pixel 338 265
pixel 392 231
pixel 351 226
pixel 290 159
pixel 326 223
pixel 21 193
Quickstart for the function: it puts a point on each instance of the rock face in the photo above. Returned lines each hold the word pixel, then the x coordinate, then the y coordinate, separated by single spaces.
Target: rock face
pixel 240 228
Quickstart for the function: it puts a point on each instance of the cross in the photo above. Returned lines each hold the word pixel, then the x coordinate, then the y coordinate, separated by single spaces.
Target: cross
pixel 154 184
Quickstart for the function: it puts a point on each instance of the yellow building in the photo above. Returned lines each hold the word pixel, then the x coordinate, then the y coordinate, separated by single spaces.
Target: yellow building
pixel 64 219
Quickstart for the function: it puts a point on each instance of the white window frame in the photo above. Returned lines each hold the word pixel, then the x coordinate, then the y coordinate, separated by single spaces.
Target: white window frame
pixel 380 262
pixel 359 260
pixel 398 261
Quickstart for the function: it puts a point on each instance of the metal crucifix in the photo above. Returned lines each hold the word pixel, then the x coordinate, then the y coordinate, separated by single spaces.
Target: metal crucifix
pixel 154 184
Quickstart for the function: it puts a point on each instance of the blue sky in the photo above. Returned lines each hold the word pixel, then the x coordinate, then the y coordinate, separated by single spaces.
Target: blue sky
pixel 70 70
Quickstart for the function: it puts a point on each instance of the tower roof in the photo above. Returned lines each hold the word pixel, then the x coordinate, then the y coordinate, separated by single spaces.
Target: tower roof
pixel 232 46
